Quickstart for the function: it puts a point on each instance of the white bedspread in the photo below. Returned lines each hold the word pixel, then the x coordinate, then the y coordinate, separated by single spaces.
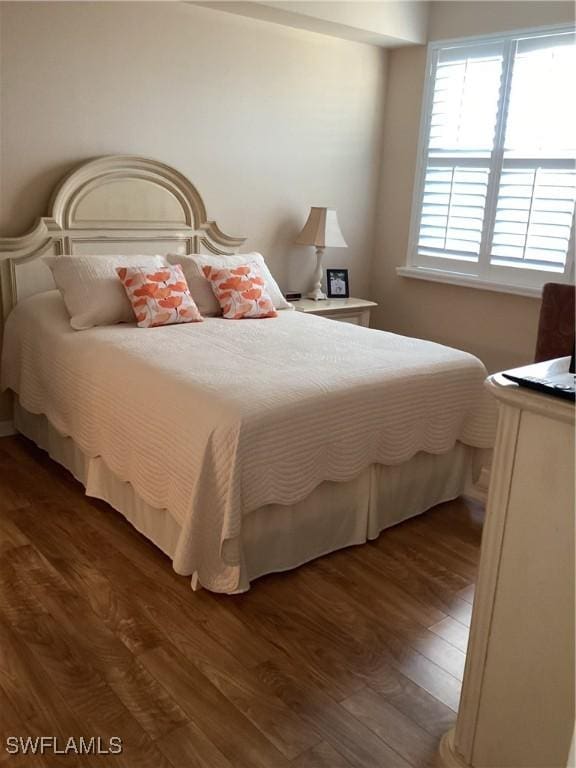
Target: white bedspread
pixel 214 420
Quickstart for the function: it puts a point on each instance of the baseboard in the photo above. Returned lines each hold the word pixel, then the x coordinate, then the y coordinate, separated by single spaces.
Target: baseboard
pixel 447 755
pixel 7 428
pixel 478 491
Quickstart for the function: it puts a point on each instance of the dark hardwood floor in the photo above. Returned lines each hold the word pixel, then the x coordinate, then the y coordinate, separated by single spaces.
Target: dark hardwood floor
pixel 354 660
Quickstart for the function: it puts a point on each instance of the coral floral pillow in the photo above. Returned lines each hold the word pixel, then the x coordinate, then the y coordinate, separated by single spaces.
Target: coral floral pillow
pixel 159 296
pixel 240 291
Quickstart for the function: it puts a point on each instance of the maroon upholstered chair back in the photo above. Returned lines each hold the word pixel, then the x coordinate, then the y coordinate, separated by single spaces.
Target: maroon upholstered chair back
pixel 556 326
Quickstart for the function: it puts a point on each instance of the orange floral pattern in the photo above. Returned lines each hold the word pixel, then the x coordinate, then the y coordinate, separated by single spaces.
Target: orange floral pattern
pixel 159 297
pixel 240 291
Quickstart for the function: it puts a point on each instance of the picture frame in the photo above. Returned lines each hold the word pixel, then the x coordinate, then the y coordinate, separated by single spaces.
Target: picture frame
pixel 337 284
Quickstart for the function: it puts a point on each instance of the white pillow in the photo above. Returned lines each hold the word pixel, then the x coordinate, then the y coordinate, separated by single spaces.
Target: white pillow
pixel 201 288
pixel 91 289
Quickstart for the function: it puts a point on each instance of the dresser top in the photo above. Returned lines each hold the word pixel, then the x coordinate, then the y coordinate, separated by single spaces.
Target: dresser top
pixel 524 399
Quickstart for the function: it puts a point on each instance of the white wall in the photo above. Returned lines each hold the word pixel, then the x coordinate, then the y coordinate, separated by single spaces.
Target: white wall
pixel 458 19
pixel 498 328
pixel 264 120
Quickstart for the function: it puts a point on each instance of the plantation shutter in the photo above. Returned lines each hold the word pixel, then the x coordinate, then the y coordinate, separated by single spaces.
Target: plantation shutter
pixel 537 190
pixel 461 139
pixel 496 194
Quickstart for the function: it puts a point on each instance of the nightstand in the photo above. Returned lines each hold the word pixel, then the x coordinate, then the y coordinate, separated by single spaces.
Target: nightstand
pixel 356 311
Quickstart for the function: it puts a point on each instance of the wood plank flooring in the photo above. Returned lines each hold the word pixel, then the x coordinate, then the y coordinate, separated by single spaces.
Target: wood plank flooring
pixel 352 661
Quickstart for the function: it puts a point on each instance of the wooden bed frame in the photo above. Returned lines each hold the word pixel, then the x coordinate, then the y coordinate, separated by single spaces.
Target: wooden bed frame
pixel 114 204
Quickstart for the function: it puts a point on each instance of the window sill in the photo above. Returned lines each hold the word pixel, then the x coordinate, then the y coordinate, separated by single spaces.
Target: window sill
pixel 469 281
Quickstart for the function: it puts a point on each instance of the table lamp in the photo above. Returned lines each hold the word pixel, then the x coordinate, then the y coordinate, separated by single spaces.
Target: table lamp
pixel 321 230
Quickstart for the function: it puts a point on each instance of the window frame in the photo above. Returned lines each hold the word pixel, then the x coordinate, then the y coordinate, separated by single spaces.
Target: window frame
pixel 480 274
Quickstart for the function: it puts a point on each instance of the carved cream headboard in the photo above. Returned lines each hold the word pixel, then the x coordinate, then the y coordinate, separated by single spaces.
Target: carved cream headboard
pixel 115 204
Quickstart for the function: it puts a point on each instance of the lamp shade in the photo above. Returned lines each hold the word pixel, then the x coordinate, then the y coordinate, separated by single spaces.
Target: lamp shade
pixel 322 230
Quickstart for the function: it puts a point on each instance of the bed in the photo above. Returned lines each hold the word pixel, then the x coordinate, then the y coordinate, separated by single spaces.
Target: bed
pixel 239 448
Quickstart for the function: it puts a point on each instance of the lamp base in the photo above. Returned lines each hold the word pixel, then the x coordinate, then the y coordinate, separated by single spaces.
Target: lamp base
pixel 316 295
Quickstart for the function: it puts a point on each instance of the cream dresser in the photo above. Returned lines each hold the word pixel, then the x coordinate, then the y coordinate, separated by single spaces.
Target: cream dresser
pixel 355 311
pixel 517 703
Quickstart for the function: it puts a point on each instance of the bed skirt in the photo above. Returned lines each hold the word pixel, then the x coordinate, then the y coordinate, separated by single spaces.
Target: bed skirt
pixel 275 537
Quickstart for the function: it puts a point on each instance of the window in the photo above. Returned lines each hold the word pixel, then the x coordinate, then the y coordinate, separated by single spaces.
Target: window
pixel 495 195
